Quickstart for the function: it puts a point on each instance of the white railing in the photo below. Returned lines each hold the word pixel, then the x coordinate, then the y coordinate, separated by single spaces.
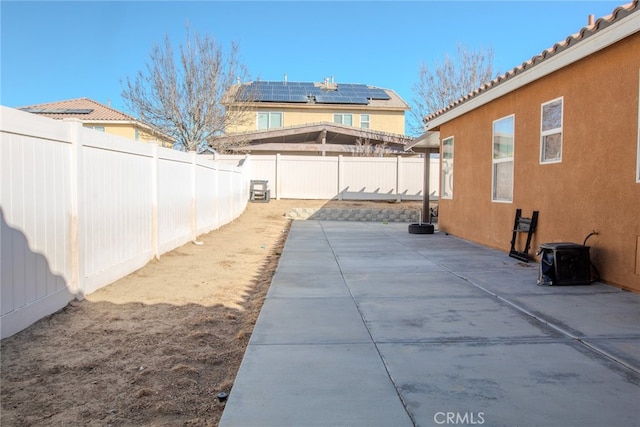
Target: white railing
pixel 80 209
pixel 343 178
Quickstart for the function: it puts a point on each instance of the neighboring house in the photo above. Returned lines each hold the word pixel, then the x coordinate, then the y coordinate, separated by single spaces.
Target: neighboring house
pixel 317 118
pixel 100 117
pixel 559 135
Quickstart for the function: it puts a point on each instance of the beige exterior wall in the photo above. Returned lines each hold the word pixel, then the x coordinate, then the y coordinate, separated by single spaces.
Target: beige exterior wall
pixel 380 120
pixel 594 187
pixel 128 130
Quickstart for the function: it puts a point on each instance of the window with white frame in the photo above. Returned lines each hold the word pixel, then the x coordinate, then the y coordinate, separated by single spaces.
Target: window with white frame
pixel 98 128
pixel 365 121
pixel 502 176
pixel 447 169
pixel 269 120
pixel 343 119
pixel 551 131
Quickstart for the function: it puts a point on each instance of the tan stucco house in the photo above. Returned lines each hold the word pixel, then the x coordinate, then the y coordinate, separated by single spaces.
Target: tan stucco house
pixel 321 118
pixel 558 135
pixel 102 118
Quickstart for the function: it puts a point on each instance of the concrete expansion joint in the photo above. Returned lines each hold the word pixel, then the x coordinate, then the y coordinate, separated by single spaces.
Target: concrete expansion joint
pixel 562 331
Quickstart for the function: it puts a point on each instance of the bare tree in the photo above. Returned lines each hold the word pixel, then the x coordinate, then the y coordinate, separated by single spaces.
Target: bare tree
pixel 183 96
pixel 449 81
pixel 363 147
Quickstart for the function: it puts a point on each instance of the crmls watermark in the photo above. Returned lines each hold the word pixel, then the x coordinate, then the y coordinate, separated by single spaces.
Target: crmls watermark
pixel 460 418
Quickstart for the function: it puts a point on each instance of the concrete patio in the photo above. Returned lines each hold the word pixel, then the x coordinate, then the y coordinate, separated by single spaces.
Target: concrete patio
pixel 368 325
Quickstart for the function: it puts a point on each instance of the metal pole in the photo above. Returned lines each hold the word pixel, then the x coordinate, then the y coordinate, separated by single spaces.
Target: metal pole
pixel 427 173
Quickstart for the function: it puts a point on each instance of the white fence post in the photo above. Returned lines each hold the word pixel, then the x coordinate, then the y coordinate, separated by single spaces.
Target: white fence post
pixel 340 176
pixel 231 207
pixel 155 243
pixel 398 178
pixel 278 177
pixel 217 196
pixel 77 193
pixel 194 224
pixel 246 180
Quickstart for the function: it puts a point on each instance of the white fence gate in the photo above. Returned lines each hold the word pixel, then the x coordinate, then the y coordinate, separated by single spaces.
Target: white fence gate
pixel 80 209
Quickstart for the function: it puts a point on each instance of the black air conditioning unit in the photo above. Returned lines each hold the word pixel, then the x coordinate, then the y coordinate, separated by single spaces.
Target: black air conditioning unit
pixel 564 264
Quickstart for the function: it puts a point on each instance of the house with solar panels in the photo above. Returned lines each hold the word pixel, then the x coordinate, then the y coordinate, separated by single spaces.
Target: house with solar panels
pixel 102 118
pixel 318 118
pixel 558 135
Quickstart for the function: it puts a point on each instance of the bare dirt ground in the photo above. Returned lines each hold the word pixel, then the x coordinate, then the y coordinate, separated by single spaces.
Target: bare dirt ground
pixel 155 347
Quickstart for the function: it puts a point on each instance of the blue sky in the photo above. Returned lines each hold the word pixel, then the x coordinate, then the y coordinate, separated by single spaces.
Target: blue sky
pixel 53 50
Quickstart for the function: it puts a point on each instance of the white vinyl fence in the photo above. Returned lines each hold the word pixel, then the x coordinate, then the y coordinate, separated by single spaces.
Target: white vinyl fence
pixel 80 209
pixel 343 178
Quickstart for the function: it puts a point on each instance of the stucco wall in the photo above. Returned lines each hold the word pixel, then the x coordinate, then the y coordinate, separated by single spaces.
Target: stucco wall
pixel 593 188
pixel 127 130
pixel 386 121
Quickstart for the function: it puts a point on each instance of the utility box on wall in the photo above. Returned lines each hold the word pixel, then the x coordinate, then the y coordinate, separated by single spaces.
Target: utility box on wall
pixel 564 264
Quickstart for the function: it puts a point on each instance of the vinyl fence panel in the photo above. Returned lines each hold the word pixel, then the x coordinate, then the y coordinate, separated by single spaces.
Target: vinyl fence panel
pixel 82 208
pixel 206 174
pixel 175 198
pixel 225 191
pixel 35 196
pixel 338 177
pixel 115 209
pixel 368 178
pixel 307 177
pixel 412 177
pixel 263 168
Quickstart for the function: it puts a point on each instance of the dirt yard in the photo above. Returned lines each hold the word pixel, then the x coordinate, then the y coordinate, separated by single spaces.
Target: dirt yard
pixel 156 347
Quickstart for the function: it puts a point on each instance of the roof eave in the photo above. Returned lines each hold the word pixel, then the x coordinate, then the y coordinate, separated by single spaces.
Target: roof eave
pixel 391 138
pixel 316 106
pixel 105 121
pixel 598 41
pixel 427 141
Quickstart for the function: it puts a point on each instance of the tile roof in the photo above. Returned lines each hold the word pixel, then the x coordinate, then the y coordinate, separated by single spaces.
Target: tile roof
pixel 84 109
pixel 394 102
pixel 591 29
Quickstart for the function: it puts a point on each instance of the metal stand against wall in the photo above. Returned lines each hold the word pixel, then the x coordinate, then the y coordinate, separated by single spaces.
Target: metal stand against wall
pixel 258 192
pixel 523 225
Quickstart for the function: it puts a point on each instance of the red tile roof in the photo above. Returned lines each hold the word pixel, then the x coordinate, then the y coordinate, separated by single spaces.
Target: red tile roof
pixel 618 13
pixel 84 109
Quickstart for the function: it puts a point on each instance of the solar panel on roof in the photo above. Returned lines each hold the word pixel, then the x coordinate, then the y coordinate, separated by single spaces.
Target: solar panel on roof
pixel 379 94
pixel 347 93
pixel 325 99
pixel 58 110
